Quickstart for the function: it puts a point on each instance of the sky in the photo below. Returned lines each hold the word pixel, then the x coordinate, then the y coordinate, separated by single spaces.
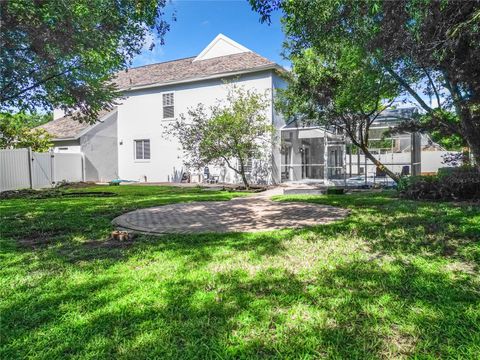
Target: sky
pixel 199 21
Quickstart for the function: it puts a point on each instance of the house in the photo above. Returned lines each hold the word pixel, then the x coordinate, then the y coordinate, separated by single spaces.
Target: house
pixel 129 142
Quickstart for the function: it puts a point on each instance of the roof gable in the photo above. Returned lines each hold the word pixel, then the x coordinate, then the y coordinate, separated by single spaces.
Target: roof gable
pixel 221 46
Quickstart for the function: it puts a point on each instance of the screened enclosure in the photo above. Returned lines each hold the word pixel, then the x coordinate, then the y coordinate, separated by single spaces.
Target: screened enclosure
pixel 400 152
pixel 311 154
pixel 315 154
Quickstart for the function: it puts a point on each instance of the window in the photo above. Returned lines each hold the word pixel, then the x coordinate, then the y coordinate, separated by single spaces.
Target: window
pixel 248 166
pixel 142 149
pixel 168 106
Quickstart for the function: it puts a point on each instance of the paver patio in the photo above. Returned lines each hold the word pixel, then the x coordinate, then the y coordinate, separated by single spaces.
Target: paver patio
pixel 248 214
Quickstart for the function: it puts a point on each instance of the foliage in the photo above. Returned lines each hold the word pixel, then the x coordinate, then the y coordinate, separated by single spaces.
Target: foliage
pixel 335 191
pixel 65 53
pixel 455 184
pixel 17 131
pixel 451 142
pixel 454 159
pixel 380 144
pixel 231 133
pixel 431 48
pixel 396 279
pixel 344 89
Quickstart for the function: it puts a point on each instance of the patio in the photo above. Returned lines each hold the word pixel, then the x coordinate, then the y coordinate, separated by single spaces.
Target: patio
pixel 249 214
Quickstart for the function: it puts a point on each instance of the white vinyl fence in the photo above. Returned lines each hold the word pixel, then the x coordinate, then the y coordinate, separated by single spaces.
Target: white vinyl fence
pixel 23 168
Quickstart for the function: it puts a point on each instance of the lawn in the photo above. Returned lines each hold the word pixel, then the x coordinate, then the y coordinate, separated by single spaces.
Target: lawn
pixel 396 279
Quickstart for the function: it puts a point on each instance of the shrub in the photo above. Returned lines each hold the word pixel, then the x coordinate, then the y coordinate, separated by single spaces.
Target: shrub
pixel 461 183
pixel 335 191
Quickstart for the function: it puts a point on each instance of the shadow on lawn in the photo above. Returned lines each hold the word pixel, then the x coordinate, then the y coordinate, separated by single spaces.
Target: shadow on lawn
pixel 392 226
pixel 357 310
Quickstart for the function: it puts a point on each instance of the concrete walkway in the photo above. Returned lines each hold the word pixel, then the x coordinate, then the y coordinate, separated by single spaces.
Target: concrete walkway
pixel 249 214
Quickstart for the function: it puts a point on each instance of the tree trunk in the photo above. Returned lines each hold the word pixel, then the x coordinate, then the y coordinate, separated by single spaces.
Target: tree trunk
pixel 242 174
pixel 475 151
pixel 471 133
pixel 379 165
pixel 245 181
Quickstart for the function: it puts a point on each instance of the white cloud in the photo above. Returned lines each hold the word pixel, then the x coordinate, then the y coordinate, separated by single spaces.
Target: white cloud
pixel 147 56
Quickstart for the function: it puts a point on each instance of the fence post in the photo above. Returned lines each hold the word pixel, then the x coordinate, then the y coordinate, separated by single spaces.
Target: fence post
pixel 83 168
pixel 30 167
pixel 325 156
pixel 366 168
pixel 344 161
pixel 52 168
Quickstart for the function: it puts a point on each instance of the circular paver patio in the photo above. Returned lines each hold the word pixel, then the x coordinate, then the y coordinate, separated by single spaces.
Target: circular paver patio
pixel 249 214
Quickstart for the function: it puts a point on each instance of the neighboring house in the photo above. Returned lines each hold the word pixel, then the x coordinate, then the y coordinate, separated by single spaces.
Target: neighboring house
pixel 129 142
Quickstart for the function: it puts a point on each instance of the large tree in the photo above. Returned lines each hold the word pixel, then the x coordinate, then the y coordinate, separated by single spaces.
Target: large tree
pixel 344 89
pixel 64 53
pixel 430 47
pixel 229 133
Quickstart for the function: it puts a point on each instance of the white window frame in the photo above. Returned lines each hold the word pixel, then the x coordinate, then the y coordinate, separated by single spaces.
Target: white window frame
pixel 163 106
pixel 143 150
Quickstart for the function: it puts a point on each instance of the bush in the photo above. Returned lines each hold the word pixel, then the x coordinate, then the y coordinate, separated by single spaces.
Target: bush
pixel 461 183
pixel 335 191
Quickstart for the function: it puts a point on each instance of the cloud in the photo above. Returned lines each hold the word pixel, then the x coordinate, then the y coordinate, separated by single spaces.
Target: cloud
pixel 149 39
pixel 205 23
pixel 149 55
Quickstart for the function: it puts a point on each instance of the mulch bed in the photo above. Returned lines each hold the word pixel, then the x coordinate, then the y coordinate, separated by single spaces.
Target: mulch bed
pixel 51 193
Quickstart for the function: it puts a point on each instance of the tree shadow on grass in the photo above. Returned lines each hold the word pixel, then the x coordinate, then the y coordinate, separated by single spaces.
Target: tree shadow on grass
pixel 81 298
pixel 391 226
pixel 357 310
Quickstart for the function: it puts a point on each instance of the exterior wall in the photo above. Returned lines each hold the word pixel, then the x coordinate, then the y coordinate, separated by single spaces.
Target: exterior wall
pixel 58 113
pixel 67 146
pixel 278 122
pixel 140 117
pixel 100 148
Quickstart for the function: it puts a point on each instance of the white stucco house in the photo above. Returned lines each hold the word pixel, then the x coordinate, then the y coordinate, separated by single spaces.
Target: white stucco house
pixel 129 142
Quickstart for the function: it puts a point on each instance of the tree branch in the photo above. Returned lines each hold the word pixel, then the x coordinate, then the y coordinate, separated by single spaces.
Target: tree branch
pixel 409 89
pixel 434 88
pixel 38 83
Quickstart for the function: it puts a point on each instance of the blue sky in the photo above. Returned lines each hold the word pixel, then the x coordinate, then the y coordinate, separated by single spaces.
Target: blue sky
pixel 198 22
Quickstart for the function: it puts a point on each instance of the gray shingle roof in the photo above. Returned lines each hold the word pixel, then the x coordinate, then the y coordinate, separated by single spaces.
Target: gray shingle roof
pixel 185 69
pixel 67 128
pixel 167 72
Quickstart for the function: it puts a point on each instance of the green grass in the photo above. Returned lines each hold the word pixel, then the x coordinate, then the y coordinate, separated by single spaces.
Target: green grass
pixel 396 279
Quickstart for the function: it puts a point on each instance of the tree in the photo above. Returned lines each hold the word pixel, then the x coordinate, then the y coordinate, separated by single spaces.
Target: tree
pixel 229 133
pixel 344 89
pixel 431 48
pixel 17 131
pixel 64 53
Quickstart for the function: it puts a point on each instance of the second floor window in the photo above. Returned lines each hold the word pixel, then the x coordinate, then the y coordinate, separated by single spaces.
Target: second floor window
pixel 168 106
pixel 142 149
